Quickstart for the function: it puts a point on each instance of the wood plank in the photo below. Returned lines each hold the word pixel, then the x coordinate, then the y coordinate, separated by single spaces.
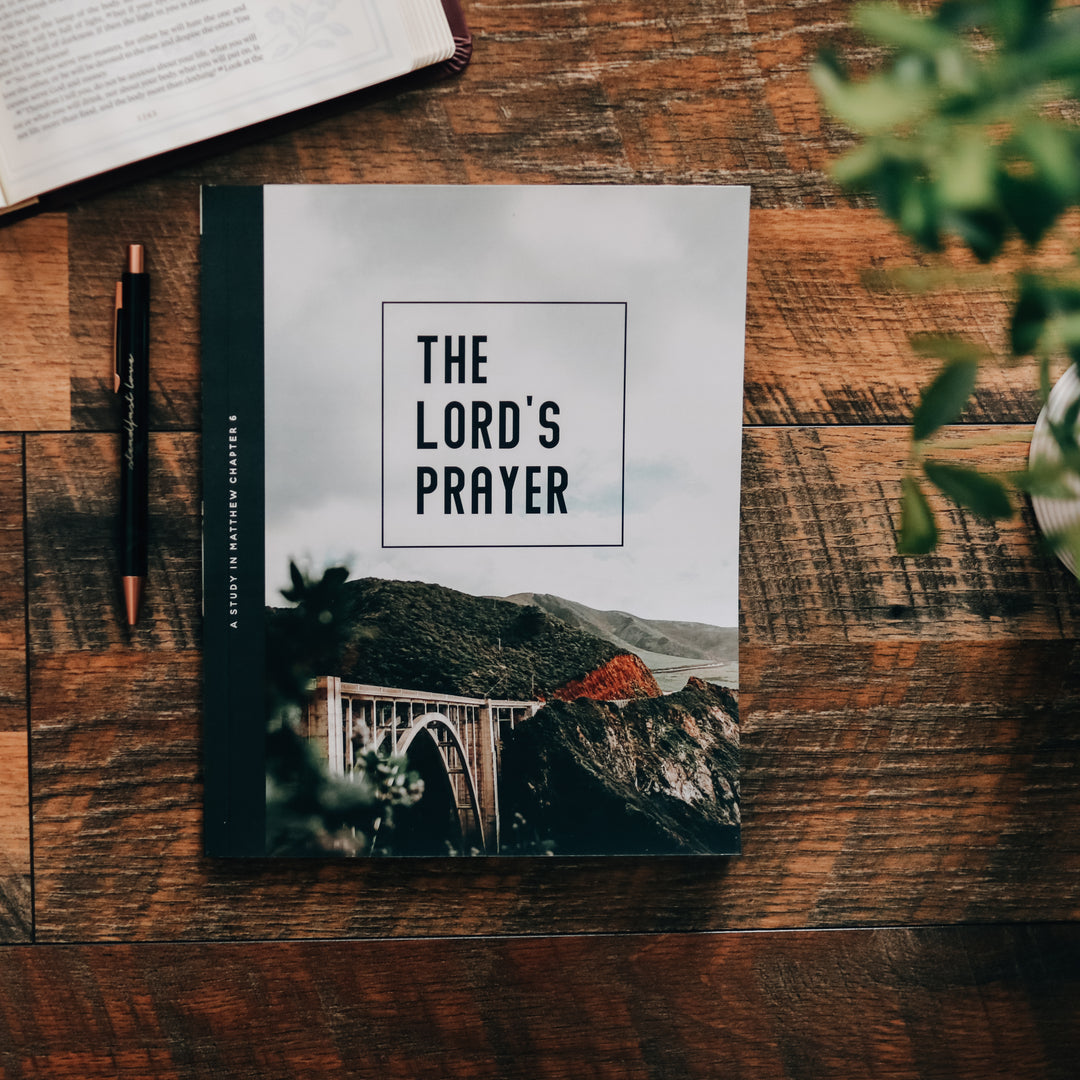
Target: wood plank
pixel 823 503
pixel 73 513
pixel 968 1003
pixel 34 344
pixel 15 913
pixel 828 339
pixel 16 919
pixel 169 231
pixel 563 93
pixel 902 785
pixel 12 588
pixel 911 674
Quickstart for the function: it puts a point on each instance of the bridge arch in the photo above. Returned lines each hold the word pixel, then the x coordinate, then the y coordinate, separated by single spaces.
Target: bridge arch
pixel 460 740
pixel 435 724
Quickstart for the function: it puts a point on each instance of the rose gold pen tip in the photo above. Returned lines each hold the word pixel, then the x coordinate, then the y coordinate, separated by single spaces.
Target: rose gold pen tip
pixel 132 595
pixel 136 259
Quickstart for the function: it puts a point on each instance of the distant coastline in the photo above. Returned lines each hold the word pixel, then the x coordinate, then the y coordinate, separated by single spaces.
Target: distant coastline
pixel 674 651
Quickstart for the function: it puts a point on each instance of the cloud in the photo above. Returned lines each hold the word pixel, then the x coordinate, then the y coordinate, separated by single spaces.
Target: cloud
pixel 673 262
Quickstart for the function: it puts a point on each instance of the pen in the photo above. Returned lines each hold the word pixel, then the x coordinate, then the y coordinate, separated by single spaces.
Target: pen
pixel 132 354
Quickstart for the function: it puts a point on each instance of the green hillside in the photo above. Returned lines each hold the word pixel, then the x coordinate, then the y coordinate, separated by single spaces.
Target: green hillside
pixel 428 637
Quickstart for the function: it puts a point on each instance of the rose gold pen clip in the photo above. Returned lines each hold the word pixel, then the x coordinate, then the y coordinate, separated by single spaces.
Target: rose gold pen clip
pixel 116 336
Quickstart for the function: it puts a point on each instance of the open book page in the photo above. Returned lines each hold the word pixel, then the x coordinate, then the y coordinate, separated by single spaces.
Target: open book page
pixel 89 85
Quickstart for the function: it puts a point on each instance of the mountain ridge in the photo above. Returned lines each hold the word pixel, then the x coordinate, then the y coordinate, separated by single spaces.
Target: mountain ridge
pixel 667 637
pixel 426 636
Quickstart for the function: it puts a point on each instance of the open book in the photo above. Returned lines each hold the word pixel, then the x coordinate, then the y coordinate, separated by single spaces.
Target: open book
pixel 471 518
pixel 91 85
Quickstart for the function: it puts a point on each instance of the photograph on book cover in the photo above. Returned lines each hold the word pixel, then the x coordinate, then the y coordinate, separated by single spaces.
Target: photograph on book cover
pixel 471 506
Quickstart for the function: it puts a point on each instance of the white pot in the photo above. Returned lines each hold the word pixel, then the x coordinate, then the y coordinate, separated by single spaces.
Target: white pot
pixel 1056 515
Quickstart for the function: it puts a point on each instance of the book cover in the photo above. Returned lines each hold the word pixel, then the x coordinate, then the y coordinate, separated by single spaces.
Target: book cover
pixel 471 519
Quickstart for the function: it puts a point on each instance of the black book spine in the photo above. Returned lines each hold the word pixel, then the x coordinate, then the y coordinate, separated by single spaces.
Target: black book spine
pixel 233 495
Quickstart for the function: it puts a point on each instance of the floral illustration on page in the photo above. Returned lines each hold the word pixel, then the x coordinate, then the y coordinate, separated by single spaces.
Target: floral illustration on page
pixel 302 26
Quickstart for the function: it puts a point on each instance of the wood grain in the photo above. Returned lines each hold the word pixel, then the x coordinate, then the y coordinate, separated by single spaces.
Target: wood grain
pixel 15 913
pixel 823 503
pixel 170 239
pixel 34 347
pixel 73 516
pixel 829 333
pixel 16 917
pixel 968 1003
pixel 12 587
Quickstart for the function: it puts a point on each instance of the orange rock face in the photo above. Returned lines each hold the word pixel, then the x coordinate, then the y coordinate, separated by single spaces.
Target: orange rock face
pixel 622 677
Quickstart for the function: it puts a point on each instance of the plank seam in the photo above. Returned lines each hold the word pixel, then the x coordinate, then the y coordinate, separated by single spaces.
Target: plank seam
pixel 27 683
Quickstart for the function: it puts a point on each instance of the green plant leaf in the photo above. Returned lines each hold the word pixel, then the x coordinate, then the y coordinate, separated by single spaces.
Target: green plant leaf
pixel 890 183
pixel 974 490
pixel 954 14
pixel 967 169
pixel 918 532
pixel 1029 316
pixel 917 213
pixel 944 399
pixel 1046 317
pixel 1045 479
pixel 1053 152
pixel 1018 21
pixel 1066 329
pixel 859 166
pixel 1054 54
pixel 983 230
pixel 891 25
pixel 1044 378
pixel 1031 205
pixel 1064 433
pixel 296 592
pixel 873 106
pixel 948 347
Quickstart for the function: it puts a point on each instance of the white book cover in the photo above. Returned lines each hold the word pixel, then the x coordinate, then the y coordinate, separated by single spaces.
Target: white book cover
pixel 472 475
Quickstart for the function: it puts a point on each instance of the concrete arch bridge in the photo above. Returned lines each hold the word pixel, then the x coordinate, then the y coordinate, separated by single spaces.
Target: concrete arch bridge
pixel 457 738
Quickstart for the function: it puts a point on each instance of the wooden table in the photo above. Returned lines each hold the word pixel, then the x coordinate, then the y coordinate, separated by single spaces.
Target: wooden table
pixel 907 902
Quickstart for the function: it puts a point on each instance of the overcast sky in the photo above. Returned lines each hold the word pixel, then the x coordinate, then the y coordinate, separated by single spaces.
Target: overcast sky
pixel 674 256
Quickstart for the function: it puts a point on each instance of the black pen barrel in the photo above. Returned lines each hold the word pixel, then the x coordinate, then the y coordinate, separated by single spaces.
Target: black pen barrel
pixel 134 371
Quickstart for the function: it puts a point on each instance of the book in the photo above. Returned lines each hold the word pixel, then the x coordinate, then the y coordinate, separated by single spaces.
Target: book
pixel 471 477
pixel 88 86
